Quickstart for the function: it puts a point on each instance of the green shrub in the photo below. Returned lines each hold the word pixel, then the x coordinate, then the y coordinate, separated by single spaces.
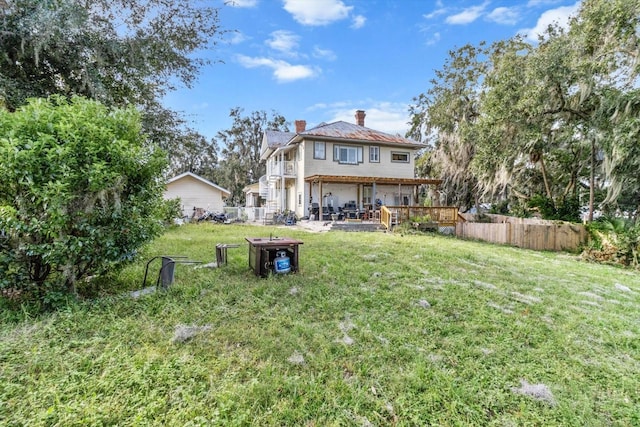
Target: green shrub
pixel 614 240
pixel 500 208
pixel 80 193
pixel 420 218
pixel 170 210
pixel 567 209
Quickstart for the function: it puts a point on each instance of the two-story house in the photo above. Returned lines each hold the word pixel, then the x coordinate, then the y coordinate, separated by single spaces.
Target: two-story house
pixel 337 164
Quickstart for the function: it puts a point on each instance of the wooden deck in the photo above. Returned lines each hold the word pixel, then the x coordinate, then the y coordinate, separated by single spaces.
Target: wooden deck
pixel 445 216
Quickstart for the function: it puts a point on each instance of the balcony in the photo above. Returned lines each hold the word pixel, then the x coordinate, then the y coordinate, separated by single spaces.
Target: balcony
pixel 284 168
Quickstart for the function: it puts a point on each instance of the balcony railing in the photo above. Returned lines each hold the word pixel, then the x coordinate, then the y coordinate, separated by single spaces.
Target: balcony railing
pixel 286 168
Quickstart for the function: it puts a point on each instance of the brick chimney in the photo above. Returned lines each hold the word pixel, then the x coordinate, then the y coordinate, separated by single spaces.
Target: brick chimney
pixel 360 117
pixel 301 126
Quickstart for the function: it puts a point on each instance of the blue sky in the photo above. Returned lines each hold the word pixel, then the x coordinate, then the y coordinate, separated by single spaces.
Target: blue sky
pixel 321 60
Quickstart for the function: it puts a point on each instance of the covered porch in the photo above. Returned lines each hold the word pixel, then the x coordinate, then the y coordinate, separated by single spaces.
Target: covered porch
pixel 389 201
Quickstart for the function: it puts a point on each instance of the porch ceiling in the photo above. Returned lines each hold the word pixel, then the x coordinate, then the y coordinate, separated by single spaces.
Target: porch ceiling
pixel 348 179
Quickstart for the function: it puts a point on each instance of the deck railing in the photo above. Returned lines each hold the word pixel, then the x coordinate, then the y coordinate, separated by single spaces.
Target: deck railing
pixel 445 216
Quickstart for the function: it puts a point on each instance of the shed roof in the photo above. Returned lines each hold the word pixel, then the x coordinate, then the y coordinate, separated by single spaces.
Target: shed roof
pixel 255 187
pixel 201 179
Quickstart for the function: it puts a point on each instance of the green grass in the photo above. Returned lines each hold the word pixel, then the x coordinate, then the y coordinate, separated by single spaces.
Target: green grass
pixel 349 340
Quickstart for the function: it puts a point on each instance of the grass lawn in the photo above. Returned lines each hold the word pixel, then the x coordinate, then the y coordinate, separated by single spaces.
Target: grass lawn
pixel 376 329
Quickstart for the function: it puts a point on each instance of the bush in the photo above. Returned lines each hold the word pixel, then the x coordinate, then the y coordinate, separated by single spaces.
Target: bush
pixel 171 210
pixel 567 209
pixel 500 208
pixel 422 218
pixel 614 240
pixel 80 193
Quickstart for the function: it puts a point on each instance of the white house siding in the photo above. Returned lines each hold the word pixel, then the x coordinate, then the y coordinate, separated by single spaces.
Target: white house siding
pixel 194 193
pixel 343 193
pixel 252 195
pixel 385 168
pixel 301 188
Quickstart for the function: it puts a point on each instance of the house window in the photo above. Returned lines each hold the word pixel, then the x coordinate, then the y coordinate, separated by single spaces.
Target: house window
pixel 367 191
pixel 374 154
pixel 400 157
pixel 401 199
pixel 347 154
pixel 318 150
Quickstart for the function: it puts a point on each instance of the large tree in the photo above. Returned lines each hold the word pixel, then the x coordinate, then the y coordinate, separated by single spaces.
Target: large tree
pixel 240 164
pixel 444 117
pixel 549 118
pixel 608 36
pixel 118 52
pixel 532 131
pixel 187 149
pixel 115 51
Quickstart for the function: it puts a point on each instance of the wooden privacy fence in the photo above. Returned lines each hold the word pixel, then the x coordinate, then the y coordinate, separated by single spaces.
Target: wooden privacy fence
pixel 525 233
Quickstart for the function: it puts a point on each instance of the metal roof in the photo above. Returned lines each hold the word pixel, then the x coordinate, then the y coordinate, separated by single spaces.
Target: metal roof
pixel 343 130
pixel 277 139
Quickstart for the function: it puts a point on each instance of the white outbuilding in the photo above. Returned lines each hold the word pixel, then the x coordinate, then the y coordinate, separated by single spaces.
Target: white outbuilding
pixel 196 193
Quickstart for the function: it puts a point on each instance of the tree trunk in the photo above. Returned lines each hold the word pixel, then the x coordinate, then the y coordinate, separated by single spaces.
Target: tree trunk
pixel 592 179
pixel 543 169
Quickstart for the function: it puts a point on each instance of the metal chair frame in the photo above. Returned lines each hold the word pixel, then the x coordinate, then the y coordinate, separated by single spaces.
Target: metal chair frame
pixel 166 272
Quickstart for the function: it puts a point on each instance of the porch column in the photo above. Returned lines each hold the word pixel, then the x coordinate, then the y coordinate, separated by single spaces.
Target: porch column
pixel 310 199
pixel 282 188
pixel 374 195
pixel 320 201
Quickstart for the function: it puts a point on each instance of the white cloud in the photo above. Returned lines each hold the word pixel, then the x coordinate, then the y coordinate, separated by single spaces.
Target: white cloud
pixel 326 54
pixel 285 72
pixel 282 70
pixel 317 12
pixel 242 3
pixel 389 117
pixel 238 37
pixel 200 106
pixel 325 106
pixel 283 41
pixel 436 13
pixel 534 3
pixel 435 38
pixel 318 106
pixel 358 21
pixel 558 16
pixel 467 16
pixel 504 15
